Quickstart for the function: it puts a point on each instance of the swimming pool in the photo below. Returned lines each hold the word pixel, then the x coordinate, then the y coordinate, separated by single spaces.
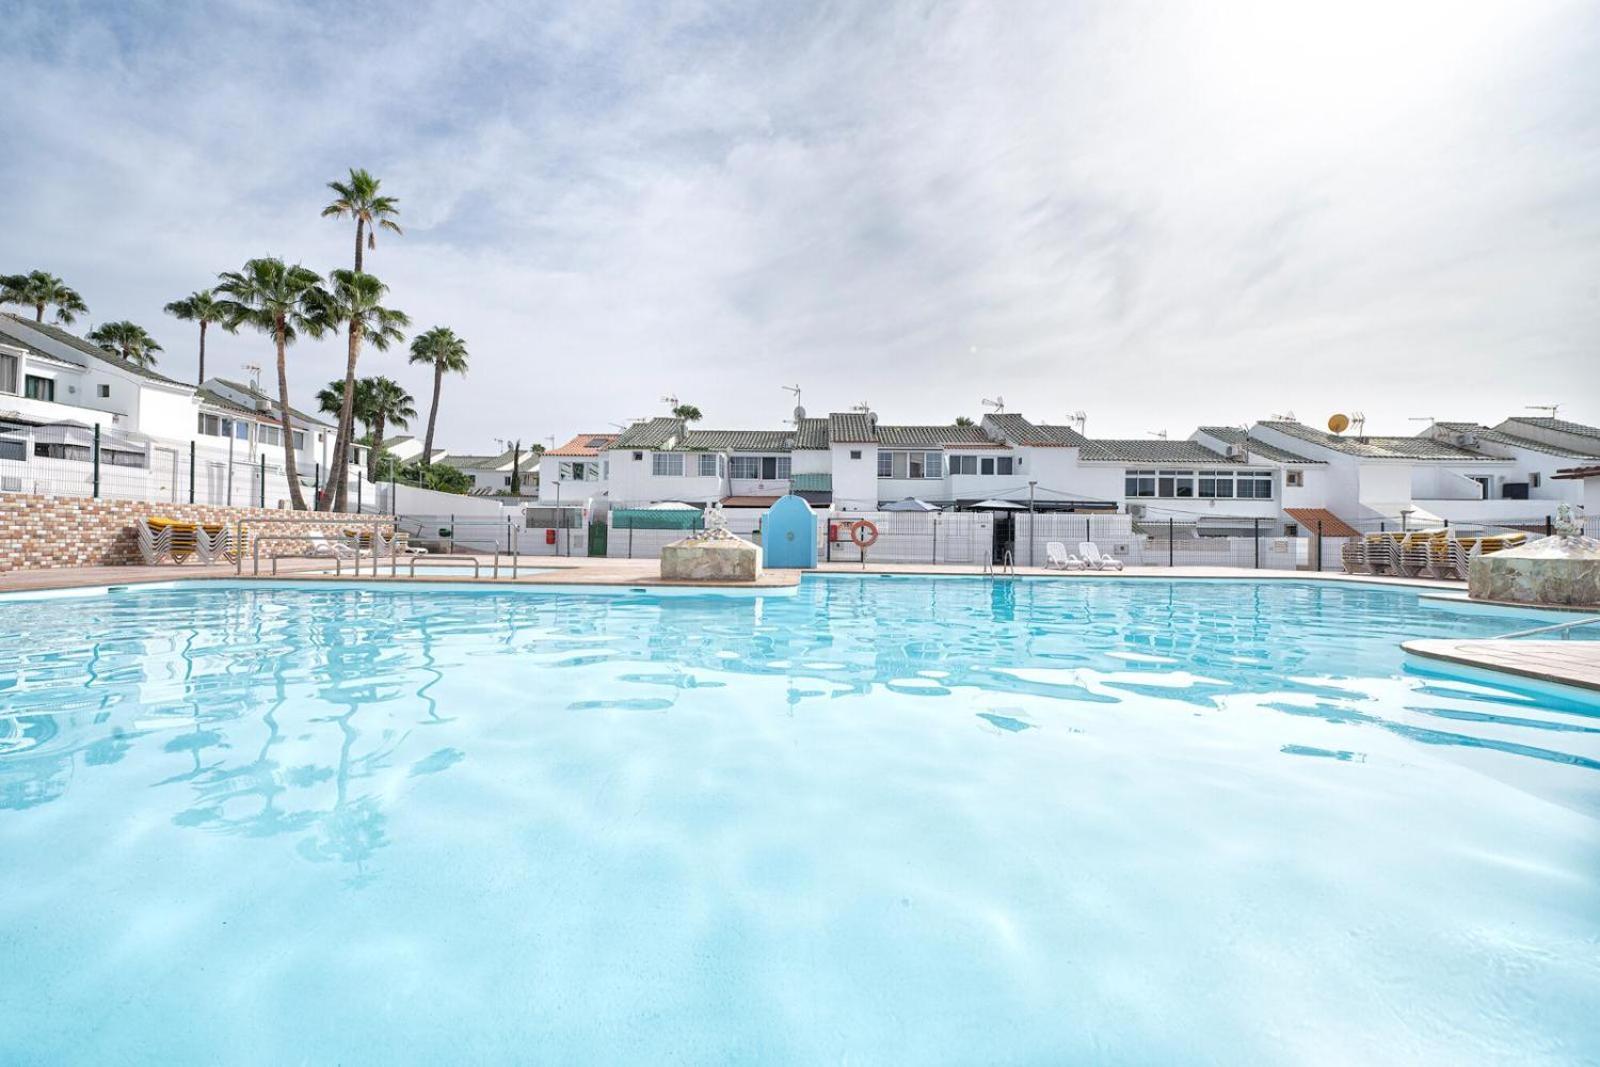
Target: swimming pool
pixel 877 820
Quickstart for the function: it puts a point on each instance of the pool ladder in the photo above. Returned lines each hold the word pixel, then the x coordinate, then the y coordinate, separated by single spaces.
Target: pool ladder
pixel 1007 565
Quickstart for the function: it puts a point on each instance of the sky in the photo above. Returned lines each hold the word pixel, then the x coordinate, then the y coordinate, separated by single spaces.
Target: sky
pixel 1159 214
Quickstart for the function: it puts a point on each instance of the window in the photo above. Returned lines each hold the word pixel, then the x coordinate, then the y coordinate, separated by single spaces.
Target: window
pixel 8 372
pixel 1485 484
pixel 1253 485
pixel 987 466
pixel 1175 483
pixel 1294 479
pixel 1005 465
pixel 708 465
pixel 745 467
pixel 963 464
pixel 578 472
pixel 56 450
pixel 215 426
pixel 103 391
pixel 1533 479
pixel 241 430
pixel 299 440
pixel 268 435
pixel 855 453
pixel 638 455
pixel 36 388
pixel 16 450
pixel 605 469
pixel 506 481
pixel 1139 483
pixel 666 464
pixel 910 465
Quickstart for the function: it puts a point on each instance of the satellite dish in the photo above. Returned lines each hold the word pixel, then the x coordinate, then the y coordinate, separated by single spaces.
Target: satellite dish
pixel 799 414
pixel 1339 423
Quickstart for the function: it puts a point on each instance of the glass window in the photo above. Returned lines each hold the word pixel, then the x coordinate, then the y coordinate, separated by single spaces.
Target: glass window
pixel 914 464
pixel 784 466
pixel 267 435
pixel 299 440
pixel 241 429
pixel 1139 482
pixel 36 388
pixel 932 465
pixel 963 464
pixel 886 464
pixel 103 392
pixel 1004 465
pixel 1255 485
pixel 708 465
pixel 1175 484
pixel 855 453
pixel 13 450
pixel 745 467
pixel 1297 478
pixel 988 465
pixel 666 464
pixel 8 372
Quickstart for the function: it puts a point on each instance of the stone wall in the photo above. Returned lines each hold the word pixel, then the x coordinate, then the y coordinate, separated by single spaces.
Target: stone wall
pixel 63 531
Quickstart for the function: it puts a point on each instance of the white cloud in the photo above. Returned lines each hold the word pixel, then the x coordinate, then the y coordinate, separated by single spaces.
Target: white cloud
pixel 1163 215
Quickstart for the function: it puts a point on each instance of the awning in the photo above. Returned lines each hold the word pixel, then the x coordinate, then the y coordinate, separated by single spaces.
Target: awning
pixel 1332 525
pixel 910 503
pixel 997 505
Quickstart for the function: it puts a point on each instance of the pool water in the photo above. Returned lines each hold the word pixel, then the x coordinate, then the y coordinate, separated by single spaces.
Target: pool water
pixel 874 821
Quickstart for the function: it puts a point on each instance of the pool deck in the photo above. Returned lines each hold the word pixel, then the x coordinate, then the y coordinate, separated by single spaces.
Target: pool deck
pixel 1574 663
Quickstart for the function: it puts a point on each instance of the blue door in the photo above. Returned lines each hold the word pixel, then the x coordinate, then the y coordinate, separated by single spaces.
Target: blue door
pixel 789 534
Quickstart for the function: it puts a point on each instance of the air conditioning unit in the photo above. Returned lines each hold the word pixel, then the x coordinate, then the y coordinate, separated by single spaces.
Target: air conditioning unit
pixel 1136 511
pixel 1467 440
pixel 1234 451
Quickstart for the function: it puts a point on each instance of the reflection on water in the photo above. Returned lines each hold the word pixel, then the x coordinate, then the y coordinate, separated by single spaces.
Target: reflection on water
pixel 272 712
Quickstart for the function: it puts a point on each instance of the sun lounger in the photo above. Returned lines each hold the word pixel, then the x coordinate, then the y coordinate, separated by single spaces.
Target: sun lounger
pixel 1056 557
pixel 1095 560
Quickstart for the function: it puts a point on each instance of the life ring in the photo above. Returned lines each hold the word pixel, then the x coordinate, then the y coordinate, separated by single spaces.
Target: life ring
pixel 864 533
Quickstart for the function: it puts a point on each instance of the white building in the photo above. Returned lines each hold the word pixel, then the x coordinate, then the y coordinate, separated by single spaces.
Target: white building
pixel 577 473
pixel 492 474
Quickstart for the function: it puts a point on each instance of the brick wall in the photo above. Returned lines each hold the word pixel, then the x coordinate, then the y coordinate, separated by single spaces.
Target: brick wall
pixel 64 531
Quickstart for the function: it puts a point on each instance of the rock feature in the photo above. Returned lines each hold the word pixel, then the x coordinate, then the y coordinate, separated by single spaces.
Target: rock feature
pixel 715 554
pixel 1563 569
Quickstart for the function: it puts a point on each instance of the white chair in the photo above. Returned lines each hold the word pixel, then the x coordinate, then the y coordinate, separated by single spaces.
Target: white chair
pixel 1056 557
pixel 1095 560
pixel 323 545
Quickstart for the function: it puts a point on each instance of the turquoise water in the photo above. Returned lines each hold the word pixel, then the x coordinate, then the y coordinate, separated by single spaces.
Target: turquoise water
pixel 878 821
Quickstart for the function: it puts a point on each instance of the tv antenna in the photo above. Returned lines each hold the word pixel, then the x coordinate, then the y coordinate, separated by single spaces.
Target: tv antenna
pixel 998 403
pixel 863 407
pixel 670 400
pixel 1358 419
pixel 254 370
pixel 799 409
pixel 1157 433
pixel 1549 409
pixel 1080 419
pixel 1284 416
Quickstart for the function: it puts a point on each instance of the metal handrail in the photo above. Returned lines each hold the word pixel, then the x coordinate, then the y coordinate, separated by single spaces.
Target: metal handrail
pixel 1565 629
pixel 308 519
pixel 476 567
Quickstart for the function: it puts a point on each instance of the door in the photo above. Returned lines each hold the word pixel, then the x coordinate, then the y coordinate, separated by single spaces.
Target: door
pixel 1005 535
pixel 597 538
pixel 169 485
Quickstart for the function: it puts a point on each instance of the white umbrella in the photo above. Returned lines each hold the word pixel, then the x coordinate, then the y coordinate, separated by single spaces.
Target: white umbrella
pixel 910 503
pixel 671 505
pixel 998 505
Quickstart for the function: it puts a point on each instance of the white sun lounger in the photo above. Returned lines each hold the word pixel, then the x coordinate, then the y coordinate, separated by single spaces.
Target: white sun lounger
pixel 1056 557
pixel 1096 560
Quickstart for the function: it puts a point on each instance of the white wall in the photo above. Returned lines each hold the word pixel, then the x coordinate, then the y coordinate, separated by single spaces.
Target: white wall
pixel 855 481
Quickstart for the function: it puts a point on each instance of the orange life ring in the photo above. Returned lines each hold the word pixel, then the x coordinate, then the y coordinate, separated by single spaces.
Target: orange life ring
pixel 864 533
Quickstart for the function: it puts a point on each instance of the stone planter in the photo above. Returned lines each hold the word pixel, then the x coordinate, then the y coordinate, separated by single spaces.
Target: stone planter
pixel 1553 570
pixel 718 559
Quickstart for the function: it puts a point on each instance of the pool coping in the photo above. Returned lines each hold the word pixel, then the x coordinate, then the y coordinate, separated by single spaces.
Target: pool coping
pixel 1560 662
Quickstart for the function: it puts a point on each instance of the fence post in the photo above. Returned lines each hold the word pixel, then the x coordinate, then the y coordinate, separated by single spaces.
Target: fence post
pixel 1548 527
pixel 1256 523
pixel 1319 544
pixel 1169 544
pixel 934 559
pixel 359 481
pixel 97 459
pixel 630 538
pixel 394 508
pixel 316 480
pixel 452 549
pixel 191 472
pixel 263 479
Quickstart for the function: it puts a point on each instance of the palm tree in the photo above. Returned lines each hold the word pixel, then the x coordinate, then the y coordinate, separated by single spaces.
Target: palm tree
pixel 687 412
pixel 962 420
pixel 128 340
pixel 359 199
pixel 447 352
pixel 200 306
pixel 353 299
pixel 39 289
pixel 285 302
pixel 389 405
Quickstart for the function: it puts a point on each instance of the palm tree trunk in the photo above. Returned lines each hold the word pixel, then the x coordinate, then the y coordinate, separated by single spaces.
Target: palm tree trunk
pixel 297 500
pixel 38 313
pixel 433 413
pixel 201 374
pixel 376 435
pixel 360 225
pixel 339 498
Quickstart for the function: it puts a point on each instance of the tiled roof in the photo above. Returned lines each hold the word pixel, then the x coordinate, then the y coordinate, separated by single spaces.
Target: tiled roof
pixel 1579 472
pixel 1152 450
pixel 851 427
pixel 247 391
pixel 930 436
pixel 1423 448
pixel 1019 431
pixel 652 433
pixel 88 348
pixel 1331 524
pixel 1576 429
pixel 1511 440
pixel 735 440
pixel 1233 435
pixel 811 433
pixel 585 444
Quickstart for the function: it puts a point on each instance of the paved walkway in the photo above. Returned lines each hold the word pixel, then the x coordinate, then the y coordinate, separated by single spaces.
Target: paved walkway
pixel 1567 662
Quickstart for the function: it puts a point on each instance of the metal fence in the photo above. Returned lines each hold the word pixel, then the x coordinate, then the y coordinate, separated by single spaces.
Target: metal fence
pixel 74 460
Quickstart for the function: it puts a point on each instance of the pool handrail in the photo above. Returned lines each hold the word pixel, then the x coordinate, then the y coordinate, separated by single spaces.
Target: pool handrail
pixel 1564 628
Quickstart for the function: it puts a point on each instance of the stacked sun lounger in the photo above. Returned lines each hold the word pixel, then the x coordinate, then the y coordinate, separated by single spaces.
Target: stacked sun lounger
pixel 1421 553
pixel 161 538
